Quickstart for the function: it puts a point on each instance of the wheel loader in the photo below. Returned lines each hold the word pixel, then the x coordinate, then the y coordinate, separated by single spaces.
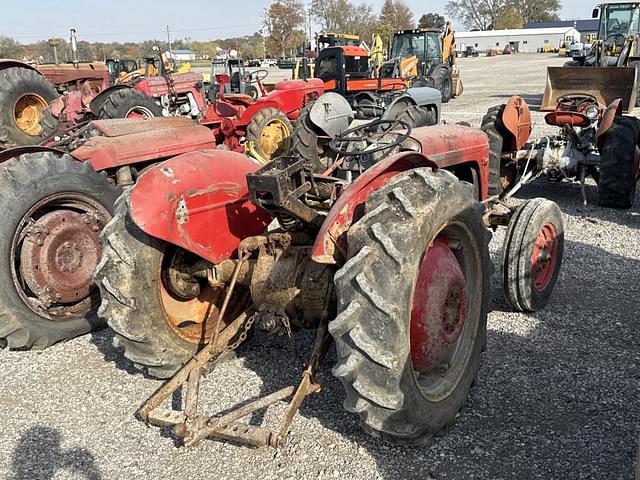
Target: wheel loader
pixel 608 71
pixel 383 251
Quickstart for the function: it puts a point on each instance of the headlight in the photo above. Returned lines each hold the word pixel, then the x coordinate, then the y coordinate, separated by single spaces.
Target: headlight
pixel 592 112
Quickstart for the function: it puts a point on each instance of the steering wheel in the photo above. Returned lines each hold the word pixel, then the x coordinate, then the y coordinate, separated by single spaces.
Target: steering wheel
pixel 576 99
pixel 256 76
pixel 615 37
pixel 374 133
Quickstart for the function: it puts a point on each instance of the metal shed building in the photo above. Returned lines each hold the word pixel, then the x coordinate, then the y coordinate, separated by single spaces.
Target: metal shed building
pixel 524 40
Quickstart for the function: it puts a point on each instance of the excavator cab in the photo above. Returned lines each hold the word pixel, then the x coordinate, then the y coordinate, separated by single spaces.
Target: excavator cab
pixel 423 45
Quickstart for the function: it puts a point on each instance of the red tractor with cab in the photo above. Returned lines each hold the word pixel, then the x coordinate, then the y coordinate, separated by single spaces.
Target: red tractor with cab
pixel 384 251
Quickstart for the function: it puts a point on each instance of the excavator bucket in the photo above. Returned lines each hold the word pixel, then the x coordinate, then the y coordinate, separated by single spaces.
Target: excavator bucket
pixel 605 83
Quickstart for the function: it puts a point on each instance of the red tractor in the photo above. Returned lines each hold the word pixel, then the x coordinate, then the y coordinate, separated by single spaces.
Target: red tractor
pixel 384 251
pixel 261 126
pixel 592 140
pixel 57 200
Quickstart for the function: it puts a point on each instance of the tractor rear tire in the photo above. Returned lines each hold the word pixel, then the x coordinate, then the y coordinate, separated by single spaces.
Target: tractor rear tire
pixel 128 103
pixel 444 82
pixel 416 116
pixel 499 180
pixel 535 234
pixel 618 167
pixel 136 304
pixel 48 228
pixel 270 131
pixel 25 85
pixel 377 291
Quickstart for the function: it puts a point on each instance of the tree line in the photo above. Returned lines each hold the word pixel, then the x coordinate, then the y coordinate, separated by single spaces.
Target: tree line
pixel 289 27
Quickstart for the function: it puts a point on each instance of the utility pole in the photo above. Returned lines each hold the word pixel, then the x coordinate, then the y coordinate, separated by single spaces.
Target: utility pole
pixel 169 40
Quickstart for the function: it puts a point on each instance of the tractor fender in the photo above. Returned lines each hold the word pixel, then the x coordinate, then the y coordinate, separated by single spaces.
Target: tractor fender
pixel 17 151
pixel 516 119
pixel 10 63
pixel 199 201
pixel 613 110
pixel 253 109
pixel 98 100
pixel 332 114
pixel 328 244
pixel 457 148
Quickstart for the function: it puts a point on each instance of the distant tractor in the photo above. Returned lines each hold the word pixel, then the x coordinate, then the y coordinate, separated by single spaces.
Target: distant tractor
pixel 426 57
pixel 592 140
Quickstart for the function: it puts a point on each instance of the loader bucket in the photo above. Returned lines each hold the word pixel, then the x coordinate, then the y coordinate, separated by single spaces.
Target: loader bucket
pixel 605 83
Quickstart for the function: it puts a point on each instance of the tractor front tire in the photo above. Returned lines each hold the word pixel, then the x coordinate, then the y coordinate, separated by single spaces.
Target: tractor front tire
pixel 270 132
pixel 24 116
pixel 128 103
pixel 412 306
pixel 54 208
pixel 532 254
pixel 618 164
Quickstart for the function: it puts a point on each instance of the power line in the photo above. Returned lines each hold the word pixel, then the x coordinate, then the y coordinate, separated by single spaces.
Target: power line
pixel 149 32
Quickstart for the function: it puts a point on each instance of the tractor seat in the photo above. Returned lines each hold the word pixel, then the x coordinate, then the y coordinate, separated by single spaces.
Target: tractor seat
pixel 240 98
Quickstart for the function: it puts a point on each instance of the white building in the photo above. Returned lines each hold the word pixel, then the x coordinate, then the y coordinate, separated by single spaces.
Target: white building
pixel 523 40
pixel 182 55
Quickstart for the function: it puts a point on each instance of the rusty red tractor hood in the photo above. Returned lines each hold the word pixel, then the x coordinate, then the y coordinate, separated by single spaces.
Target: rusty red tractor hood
pixel 127 142
pixel 183 200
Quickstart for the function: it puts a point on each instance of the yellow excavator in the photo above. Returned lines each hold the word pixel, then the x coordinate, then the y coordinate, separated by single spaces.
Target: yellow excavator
pixel 609 70
pixel 425 57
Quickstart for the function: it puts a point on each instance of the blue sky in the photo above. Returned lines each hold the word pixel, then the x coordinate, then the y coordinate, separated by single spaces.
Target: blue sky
pixel 119 20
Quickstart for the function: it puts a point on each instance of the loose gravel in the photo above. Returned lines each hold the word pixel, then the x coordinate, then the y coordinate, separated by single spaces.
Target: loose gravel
pixel 557 395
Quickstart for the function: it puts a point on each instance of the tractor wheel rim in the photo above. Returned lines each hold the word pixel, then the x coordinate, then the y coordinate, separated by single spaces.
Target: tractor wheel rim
pixel 275 139
pixel 28 113
pixel 440 334
pixel 56 248
pixel 544 256
pixel 191 319
pixel 139 112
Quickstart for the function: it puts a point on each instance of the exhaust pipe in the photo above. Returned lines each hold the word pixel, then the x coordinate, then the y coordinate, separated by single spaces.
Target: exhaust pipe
pixel 74 47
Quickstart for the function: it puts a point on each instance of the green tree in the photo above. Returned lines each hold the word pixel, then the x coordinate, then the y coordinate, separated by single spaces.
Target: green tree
pixel 282 19
pixel 431 20
pixel 510 18
pixel 9 48
pixel 537 10
pixel 476 14
pixel 397 15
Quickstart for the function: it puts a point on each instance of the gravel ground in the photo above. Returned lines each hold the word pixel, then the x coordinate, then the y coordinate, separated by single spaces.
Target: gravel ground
pixel 557 395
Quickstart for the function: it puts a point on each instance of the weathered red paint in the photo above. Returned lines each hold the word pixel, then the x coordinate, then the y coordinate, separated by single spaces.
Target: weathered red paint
pixel 544 257
pixel 439 308
pixel 142 144
pixel 120 126
pixel 181 83
pixel 443 146
pixel 516 118
pixel 199 201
